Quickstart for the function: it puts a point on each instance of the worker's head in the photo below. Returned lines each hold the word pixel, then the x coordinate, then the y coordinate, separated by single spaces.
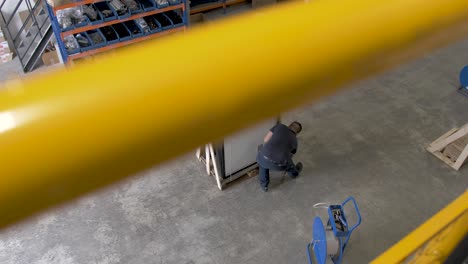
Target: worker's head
pixel 295 127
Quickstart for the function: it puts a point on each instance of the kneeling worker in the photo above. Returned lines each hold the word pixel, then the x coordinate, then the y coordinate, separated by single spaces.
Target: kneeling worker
pixel 279 146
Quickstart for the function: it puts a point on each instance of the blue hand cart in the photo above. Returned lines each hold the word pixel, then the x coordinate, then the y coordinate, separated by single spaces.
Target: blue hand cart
pixel 464 81
pixel 331 240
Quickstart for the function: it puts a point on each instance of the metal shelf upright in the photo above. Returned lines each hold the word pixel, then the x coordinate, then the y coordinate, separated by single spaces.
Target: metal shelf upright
pixel 61 33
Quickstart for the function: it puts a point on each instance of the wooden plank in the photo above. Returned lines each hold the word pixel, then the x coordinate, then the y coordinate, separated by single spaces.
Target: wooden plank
pixel 431 147
pixel 460 143
pixel 451 152
pixel 215 168
pixel 116 21
pixel 461 159
pixel 455 136
pixel 443 158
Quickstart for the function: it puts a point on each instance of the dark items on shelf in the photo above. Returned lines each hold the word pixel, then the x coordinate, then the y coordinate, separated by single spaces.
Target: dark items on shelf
pixel 153 24
pixel 143 25
pixel 147 5
pixel 174 2
pixel 162 3
pixel 83 41
pixel 110 34
pixel 106 11
pixel 163 20
pixel 93 14
pixel 97 38
pixel 132 5
pixel 89 11
pixel 64 20
pixel 134 29
pixel 119 8
pixel 175 17
pixel 70 17
pixel 71 45
pixel 122 31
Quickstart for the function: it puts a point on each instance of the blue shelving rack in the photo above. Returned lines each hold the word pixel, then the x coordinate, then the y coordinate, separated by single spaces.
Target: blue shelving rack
pixel 169 18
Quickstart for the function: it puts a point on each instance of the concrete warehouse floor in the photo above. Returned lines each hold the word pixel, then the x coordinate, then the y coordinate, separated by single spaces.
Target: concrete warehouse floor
pixel 368 142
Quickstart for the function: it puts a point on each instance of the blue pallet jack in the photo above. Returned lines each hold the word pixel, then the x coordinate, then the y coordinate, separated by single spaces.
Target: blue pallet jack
pixel 464 81
pixel 331 240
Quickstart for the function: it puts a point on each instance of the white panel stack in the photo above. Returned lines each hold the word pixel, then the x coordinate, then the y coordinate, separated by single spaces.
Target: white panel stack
pixel 5 53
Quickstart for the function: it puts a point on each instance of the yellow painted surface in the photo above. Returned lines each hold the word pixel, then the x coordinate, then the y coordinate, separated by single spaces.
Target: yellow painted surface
pixel 434 240
pixel 71 132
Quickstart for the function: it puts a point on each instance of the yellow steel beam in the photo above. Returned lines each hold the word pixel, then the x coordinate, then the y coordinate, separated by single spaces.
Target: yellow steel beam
pixel 74 131
pixel 434 240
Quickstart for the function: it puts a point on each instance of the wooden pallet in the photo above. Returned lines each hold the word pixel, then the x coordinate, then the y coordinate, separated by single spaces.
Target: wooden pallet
pixel 206 156
pixel 452 147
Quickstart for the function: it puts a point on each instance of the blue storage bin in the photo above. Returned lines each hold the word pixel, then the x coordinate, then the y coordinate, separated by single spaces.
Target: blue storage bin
pixel 174 2
pixel 82 24
pixel 154 24
pixel 162 3
pixel 99 19
pixel 175 17
pixel 67 28
pixel 94 36
pixel 71 51
pixel 122 31
pixel 65 19
pixel 124 15
pixel 82 46
pixel 146 30
pixel 109 34
pixel 147 5
pixel 136 9
pixel 107 13
pixel 134 29
pixel 164 21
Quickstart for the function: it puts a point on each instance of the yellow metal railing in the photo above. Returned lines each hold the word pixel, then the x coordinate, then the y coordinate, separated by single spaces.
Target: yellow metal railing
pixel 71 132
pixel 434 240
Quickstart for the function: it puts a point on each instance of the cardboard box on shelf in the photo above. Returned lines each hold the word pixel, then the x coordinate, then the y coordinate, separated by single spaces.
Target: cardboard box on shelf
pixel 50 58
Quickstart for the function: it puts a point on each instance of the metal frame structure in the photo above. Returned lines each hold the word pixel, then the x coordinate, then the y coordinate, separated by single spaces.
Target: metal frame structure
pixel 62 137
pixel 59 34
pixel 30 41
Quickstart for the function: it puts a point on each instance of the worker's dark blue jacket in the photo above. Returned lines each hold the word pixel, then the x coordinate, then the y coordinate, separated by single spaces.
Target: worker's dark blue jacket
pixel 278 151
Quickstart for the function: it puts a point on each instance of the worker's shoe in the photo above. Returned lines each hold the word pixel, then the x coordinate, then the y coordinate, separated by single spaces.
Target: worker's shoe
pixel 264 188
pixel 299 167
pixel 295 170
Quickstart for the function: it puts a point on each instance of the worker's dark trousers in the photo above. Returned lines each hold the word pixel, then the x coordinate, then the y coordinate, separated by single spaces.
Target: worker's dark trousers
pixel 266 165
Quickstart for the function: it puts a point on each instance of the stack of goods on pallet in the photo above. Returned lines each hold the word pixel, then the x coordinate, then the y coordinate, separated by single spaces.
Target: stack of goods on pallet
pixel 5 53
